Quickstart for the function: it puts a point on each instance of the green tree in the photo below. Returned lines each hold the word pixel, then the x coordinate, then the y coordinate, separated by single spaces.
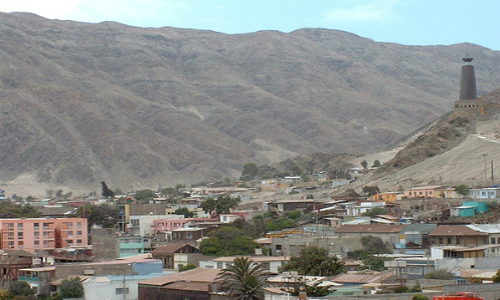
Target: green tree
pixel 187 267
pixel 71 288
pixel 364 164
pixel 106 192
pixel 280 224
pixel 9 209
pixel 462 189
pixel 59 193
pixel 376 164
pixel 496 277
pixel 371 190
pixel 374 244
pixel 255 228
pixel 20 288
pixel 184 211
pixel 375 212
pixel 67 195
pixel 313 290
pixel 222 205
pixel 103 215
pixel 144 195
pixel 419 297
pixel 439 274
pixel 249 172
pixel 294 215
pixel 373 262
pixel 227 241
pixel 314 260
pixel 243 279
pixel 169 191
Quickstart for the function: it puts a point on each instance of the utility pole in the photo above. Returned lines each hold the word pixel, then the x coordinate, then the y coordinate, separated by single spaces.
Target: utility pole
pixel 492 177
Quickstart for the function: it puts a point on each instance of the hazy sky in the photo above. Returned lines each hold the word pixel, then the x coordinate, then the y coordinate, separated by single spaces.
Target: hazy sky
pixel 409 22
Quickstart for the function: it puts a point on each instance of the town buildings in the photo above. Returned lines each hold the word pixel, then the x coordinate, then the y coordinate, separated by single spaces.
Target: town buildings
pixel 40 234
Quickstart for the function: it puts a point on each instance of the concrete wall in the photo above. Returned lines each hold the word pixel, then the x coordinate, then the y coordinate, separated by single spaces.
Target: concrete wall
pixel 480 263
pixel 63 271
pixel 405 296
pixel 336 246
pixel 105 244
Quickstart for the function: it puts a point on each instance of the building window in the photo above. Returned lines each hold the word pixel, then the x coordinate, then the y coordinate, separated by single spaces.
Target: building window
pixel 449 240
pixel 458 240
pixel 493 241
pixel 19 235
pixel 79 242
pixel 20 226
pixel 79 224
pixel 11 245
pixel 70 242
pixel 79 233
pixel 37 244
pixel 36 234
pixel 119 291
pixel 70 234
pixel 36 226
pixel 10 235
pixel 440 240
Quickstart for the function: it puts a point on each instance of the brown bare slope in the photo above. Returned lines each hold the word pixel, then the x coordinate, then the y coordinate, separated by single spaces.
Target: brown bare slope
pixel 456 150
pixel 135 107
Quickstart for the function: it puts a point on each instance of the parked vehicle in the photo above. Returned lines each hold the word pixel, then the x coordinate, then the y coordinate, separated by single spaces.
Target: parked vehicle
pixel 459 296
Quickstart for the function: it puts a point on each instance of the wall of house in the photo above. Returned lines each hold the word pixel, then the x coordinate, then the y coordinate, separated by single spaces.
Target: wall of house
pixel 480 263
pixel 159 293
pixel 105 244
pixel 108 290
pixel 289 246
pixel 63 271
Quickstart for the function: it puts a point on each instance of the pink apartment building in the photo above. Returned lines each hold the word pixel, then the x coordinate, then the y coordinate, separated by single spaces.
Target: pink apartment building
pixel 168 224
pixel 42 234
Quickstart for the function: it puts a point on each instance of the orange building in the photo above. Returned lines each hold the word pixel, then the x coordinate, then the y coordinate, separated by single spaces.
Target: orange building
pixel 385 197
pixel 42 234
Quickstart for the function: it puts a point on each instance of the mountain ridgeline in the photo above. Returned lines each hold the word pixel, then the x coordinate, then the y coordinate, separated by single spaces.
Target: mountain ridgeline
pixel 134 107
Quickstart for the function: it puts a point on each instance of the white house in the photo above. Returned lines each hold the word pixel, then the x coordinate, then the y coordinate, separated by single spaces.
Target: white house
pixel 484 193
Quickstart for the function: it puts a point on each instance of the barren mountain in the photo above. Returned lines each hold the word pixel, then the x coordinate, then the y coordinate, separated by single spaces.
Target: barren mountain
pixel 138 107
pixel 457 149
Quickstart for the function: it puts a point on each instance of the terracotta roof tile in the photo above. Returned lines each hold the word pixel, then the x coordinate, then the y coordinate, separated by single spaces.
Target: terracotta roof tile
pixel 195 275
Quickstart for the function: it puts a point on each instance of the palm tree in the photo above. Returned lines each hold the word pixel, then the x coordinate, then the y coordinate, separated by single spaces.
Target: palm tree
pixel 244 279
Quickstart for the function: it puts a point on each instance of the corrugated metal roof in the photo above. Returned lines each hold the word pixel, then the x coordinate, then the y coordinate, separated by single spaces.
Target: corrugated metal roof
pixel 370 228
pixel 458 230
pixel 488 228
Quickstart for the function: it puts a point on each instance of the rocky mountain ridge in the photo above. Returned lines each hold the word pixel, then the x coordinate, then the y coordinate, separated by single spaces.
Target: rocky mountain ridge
pixel 141 107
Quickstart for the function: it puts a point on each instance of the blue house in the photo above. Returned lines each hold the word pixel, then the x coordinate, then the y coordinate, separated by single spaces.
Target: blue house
pixel 469 209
